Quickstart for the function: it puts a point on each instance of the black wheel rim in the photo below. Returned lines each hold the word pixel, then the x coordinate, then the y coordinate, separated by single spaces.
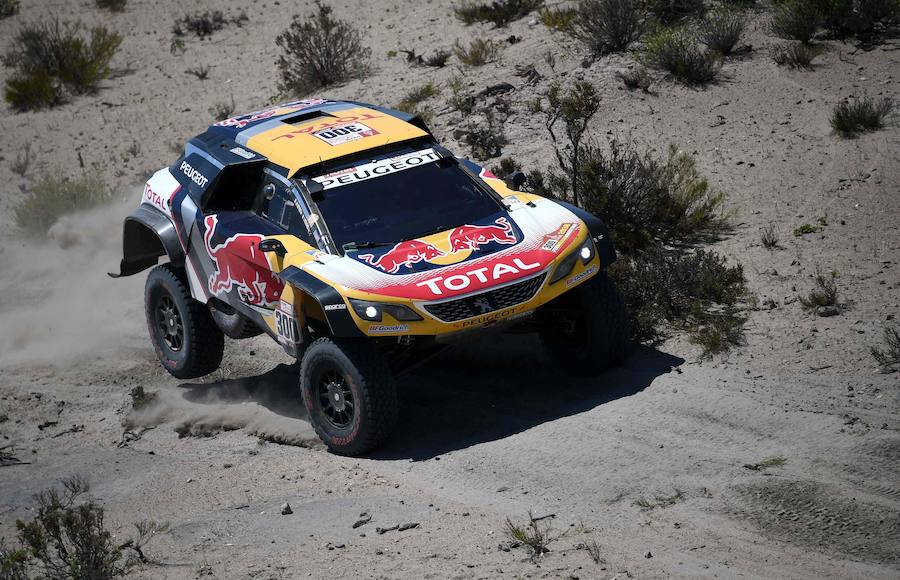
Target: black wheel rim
pixel 335 398
pixel 169 323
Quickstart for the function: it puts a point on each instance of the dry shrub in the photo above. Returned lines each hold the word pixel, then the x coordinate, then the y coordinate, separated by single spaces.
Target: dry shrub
pixel 205 23
pixel 222 110
pixel 721 29
pixel 669 11
pixel 574 108
pixel 55 197
pixel 412 101
pixel 824 292
pixel 860 115
pixel 478 53
pixel 499 12
pixel 637 78
pixel 111 5
pixel 485 140
pixel 68 539
pixel 8 8
pixel 535 535
pixel 888 357
pixel 606 26
pixel 506 167
pixel 677 51
pixel 797 20
pixel 52 59
pixel 795 55
pixel 558 18
pixel 858 18
pixel 319 51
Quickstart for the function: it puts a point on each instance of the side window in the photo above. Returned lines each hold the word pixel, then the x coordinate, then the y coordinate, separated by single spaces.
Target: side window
pixel 277 204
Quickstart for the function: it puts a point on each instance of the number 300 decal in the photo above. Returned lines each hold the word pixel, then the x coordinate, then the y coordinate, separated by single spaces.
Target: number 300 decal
pixel 286 327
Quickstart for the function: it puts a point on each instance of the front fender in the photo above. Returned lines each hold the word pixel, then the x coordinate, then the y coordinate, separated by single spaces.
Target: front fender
pixel 148 234
pixel 339 320
pixel 599 233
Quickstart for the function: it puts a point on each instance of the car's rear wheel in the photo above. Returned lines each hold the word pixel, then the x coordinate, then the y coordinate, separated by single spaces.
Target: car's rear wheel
pixel 233 323
pixel 186 339
pixel 349 394
pixel 587 329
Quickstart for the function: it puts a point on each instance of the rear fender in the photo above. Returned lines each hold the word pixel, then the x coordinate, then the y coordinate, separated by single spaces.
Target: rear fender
pixel 148 234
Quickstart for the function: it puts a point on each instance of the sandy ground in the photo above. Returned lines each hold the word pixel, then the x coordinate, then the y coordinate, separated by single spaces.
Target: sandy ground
pixel 489 431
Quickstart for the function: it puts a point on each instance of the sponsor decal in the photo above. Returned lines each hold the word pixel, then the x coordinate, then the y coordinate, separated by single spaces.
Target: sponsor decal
pixel 465 238
pixel 500 271
pixel 286 307
pixel 382 328
pixel 331 123
pixel 193 174
pixel 376 169
pixel 160 190
pixel 241 152
pixel 403 254
pixel 242 121
pixel 340 134
pixel 579 277
pixel 340 306
pixel 553 241
pixel 241 265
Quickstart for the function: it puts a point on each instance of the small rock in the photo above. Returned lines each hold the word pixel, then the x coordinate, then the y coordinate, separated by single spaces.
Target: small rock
pixel 385 530
pixel 826 311
pixel 364 518
pixel 408 526
pixel 648 555
pixel 286 509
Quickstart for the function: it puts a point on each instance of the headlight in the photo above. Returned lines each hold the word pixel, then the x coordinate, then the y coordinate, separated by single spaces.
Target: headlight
pixel 373 310
pixel 585 253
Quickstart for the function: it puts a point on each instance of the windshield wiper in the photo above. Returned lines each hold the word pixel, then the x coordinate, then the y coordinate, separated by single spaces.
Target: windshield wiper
pixel 432 231
pixel 357 245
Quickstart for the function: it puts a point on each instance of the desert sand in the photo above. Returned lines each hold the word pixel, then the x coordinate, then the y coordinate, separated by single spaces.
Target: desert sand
pixel 649 461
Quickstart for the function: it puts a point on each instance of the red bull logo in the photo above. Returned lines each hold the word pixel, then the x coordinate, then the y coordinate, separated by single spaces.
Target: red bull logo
pixel 461 239
pixel 473 237
pixel 240 264
pixel 403 254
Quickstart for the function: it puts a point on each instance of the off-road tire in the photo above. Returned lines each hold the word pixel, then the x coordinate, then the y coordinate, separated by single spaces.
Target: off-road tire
pixel 201 344
pixel 233 323
pixel 601 334
pixel 366 377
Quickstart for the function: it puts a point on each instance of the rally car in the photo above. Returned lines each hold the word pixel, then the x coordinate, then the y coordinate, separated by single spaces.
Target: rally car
pixel 347 233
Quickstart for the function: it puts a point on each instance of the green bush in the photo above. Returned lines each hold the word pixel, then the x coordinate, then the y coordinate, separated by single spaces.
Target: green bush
pixel 478 53
pixel 824 293
pixel 677 51
pixel 558 18
pixel 55 197
pixel 319 51
pixel 607 25
pixel 860 115
pixel 499 12
pixel 797 19
pixel 8 8
pixel 721 29
pixel 858 17
pixel 485 140
pixel 698 292
pixel 111 5
pixel 52 58
pixel 669 11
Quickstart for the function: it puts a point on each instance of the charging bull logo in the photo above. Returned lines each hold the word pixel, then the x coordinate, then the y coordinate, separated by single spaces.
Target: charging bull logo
pixel 403 254
pixel 473 237
pixel 461 239
pixel 240 263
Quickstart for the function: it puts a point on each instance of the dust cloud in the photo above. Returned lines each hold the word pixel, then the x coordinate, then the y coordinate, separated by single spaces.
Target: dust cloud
pixel 57 303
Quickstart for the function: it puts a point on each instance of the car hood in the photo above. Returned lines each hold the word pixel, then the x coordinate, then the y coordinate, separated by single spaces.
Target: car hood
pixel 510 245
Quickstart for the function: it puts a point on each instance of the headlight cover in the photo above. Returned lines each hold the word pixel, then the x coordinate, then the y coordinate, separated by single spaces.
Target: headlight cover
pixel 585 252
pixel 373 311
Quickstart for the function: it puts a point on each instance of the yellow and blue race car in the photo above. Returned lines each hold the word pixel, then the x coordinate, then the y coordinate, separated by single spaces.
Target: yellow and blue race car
pixel 347 233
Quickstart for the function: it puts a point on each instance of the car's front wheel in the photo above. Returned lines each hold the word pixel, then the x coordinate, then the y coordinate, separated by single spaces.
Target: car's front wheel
pixel 349 394
pixel 587 329
pixel 187 341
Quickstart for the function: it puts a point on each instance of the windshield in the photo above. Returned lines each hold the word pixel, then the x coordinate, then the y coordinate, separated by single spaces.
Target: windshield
pixel 400 198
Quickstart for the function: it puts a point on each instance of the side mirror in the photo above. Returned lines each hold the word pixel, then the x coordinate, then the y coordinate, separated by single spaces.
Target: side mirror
pixel 515 180
pixel 316 190
pixel 276 246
